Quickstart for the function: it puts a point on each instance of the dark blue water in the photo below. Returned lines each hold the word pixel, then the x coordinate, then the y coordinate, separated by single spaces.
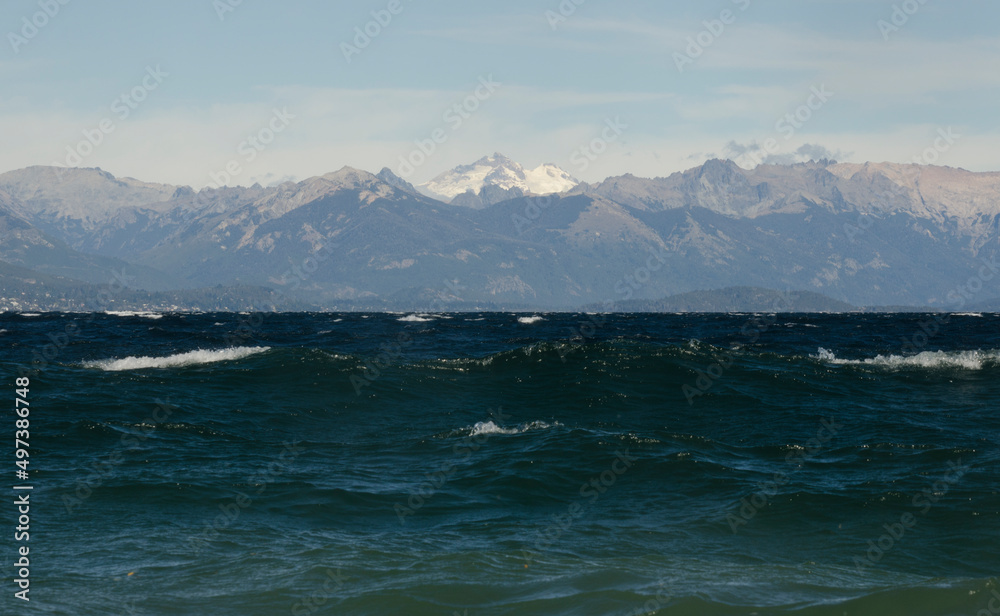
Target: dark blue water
pixel 499 464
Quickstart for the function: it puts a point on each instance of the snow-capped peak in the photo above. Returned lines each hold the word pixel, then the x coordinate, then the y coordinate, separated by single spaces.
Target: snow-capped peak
pixel 498 170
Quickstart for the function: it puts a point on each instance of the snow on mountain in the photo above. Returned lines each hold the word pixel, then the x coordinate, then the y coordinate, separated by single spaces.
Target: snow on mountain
pixel 500 171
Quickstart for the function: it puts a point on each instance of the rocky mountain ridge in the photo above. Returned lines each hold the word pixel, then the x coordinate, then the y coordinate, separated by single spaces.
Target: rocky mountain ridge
pixel 873 234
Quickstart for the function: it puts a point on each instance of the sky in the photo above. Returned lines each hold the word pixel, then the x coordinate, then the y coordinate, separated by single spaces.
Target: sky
pixel 203 92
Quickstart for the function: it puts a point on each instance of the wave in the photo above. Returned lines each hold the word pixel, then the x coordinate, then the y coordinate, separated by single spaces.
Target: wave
pixel 529 320
pixel 489 427
pixel 180 360
pixel 965 360
pixel 129 313
pixel 415 318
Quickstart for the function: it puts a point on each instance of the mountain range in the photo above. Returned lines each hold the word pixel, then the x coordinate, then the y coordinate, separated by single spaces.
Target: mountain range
pixel 494 234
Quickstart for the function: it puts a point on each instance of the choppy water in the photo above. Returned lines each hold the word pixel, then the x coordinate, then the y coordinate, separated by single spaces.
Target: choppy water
pixel 503 464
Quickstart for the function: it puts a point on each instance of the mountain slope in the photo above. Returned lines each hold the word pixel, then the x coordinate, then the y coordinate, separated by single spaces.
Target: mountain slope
pixel 23 245
pixel 72 202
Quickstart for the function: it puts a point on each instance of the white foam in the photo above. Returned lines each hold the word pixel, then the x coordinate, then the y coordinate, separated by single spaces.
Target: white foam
pixel 489 427
pixel 529 320
pixel 965 360
pixel 129 313
pixel 415 318
pixel 191 358
pixel 30 314
pixel 968 314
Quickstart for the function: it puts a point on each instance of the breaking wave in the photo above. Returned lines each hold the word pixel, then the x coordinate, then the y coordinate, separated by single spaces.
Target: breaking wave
pixel 964 360
pixel 489 427
pixel 181 360
pixel 129 313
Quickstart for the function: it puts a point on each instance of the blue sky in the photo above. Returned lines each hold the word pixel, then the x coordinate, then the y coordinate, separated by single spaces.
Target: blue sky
pixel 223 70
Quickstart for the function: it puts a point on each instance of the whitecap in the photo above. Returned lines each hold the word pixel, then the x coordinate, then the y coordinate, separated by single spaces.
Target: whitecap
pixel 415 318
pixel 529 320
pixel 31 314
pixel 489 427
pixel 129 313
pixel 180 360
pixel 965 360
